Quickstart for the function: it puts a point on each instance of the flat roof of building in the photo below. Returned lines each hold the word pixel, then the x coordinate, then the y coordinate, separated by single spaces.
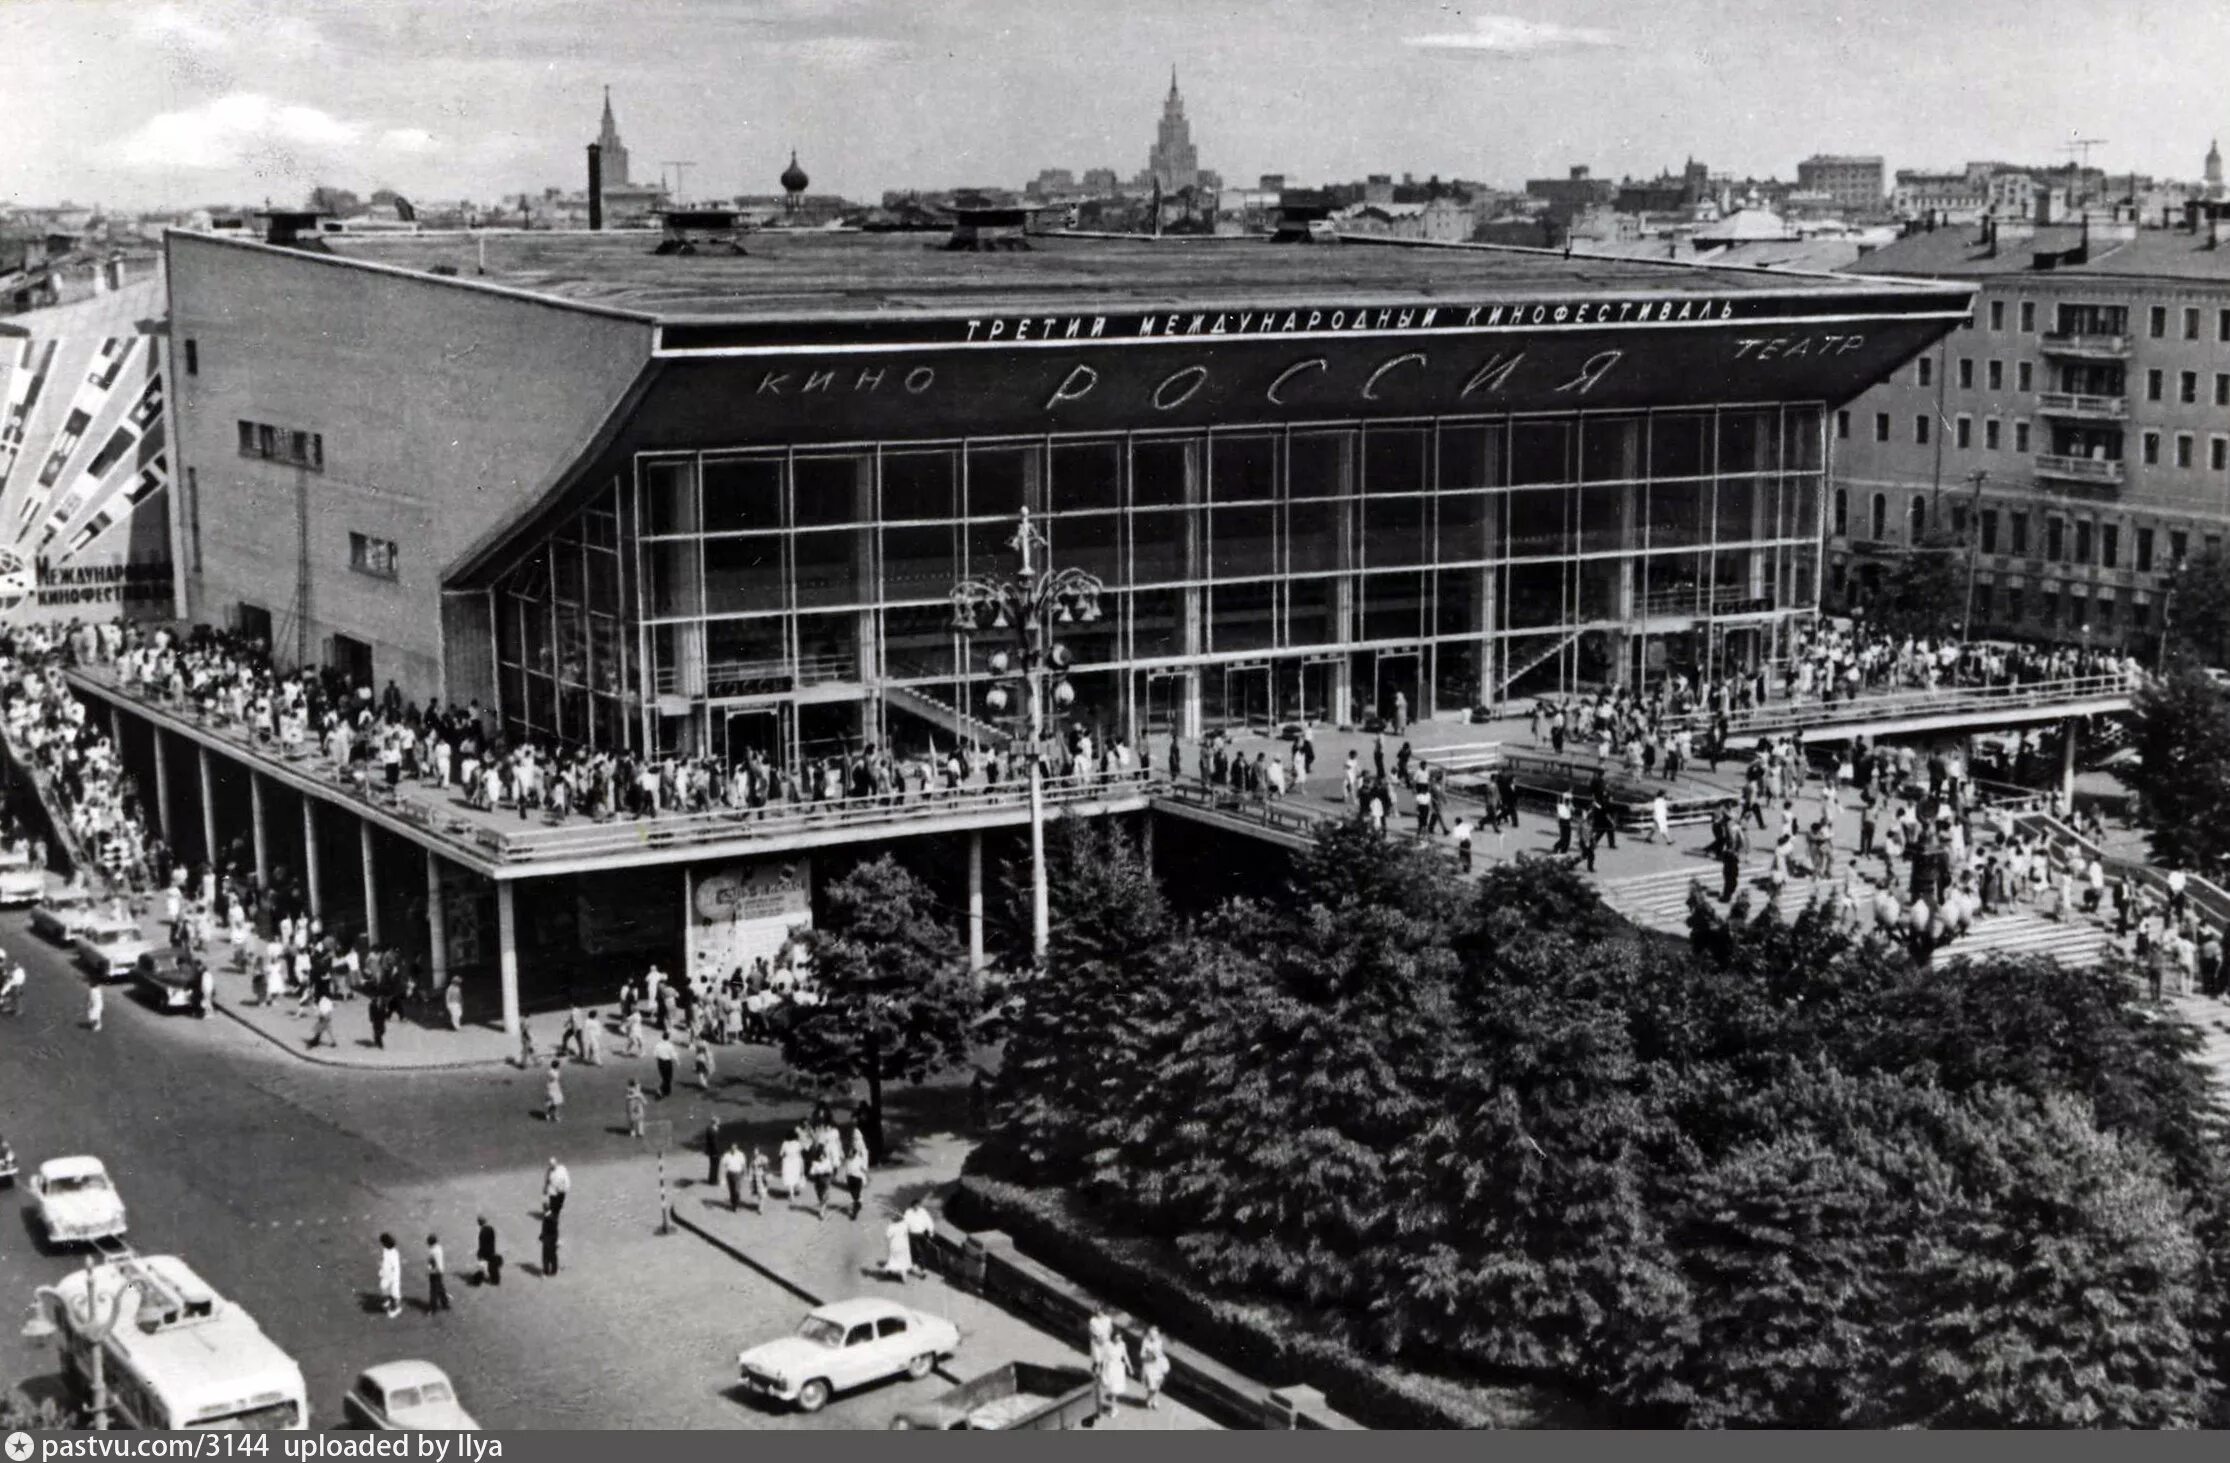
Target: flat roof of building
pixel 1962 251
pixel 818 272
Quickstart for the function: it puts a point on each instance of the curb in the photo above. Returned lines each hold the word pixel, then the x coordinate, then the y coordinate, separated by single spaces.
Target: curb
pixel 302 1055
pixel 736 1253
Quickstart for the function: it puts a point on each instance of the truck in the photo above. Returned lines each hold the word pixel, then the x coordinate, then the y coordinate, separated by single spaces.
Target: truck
pixel 1018 1397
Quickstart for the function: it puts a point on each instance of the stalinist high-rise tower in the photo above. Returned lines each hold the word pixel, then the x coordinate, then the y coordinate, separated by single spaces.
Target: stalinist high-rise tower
pixel 615 151
pixel 1173 162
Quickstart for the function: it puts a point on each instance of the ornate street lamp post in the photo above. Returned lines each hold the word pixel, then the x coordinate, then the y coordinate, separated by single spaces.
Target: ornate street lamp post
pixel 85 1322
pixel 1027 606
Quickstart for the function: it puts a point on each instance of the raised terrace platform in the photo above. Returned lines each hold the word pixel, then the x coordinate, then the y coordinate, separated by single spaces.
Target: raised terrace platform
pixel 1955 708
pixel 503 846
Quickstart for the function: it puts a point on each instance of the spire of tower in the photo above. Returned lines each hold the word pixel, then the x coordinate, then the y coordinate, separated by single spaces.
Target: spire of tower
pixel 607 106
pixel 1173 79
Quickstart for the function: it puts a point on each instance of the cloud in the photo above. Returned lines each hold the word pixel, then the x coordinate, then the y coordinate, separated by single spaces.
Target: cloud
pixel 410 140
pixel 248 130
pixel 1508 35
pixel 841 50
pixel 174 29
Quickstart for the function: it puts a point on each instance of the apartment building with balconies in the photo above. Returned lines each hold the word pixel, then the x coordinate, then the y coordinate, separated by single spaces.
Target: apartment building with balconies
pixel 2072 439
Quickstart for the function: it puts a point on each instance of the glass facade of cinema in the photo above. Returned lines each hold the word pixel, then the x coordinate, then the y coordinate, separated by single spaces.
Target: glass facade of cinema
pixel 796 599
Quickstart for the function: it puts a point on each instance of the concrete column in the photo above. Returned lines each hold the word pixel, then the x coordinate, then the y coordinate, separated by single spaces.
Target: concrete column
pixel 310 869
pixel 208 810
pixel 1343 588
pixel 1146 840
pixel 975 900
pixel 371 879
pixel 688 924
pixel 2071 737
pixel 507 954
pixel 263 844
pixel 437 924
pixel 162 789
pixel 1193 601
pixel 116 728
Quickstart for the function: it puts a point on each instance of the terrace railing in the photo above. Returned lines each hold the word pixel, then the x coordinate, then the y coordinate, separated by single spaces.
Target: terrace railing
pixel 1789 716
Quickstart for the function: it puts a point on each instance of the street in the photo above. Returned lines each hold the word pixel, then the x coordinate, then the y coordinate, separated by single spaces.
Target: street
pixel 274 1179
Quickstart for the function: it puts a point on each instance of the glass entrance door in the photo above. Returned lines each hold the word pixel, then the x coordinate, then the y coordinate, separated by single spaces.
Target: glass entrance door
pixel 1162 702
pixel 1246 696
pixel 755 729
pixel 1399 674
pixel 1304 691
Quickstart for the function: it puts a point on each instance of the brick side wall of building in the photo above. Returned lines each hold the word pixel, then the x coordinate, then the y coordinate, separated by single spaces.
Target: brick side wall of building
pixel 442 411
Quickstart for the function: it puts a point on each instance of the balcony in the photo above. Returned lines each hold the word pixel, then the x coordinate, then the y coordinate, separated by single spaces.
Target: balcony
pixel 2079 469
pixel 2086 347
pixel 2083 408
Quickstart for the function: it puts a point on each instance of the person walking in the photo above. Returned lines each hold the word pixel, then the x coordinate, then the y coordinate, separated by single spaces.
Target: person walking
pixel 437 1276
pixel 1660 819
pixel 663 1055
pixel 700 1058
pixel 556 1184
pixel 632 1028
pixel 855 1174
pixel 93 1000
pixel 592 1041
pixel 1111 1369
pixel 553 1091
pixel 376 1009
pixel 490 1257
pixel 636 1103
pixel 390 1277
pixel 819 1172
pixel 734 1168
pixel 549 1243
pixel 1153 1365
pixel 526 1046
pixel 321 1034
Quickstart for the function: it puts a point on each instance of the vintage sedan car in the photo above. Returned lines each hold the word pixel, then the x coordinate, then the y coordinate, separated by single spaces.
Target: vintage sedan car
pixel 844 1345
pixel 107 948
pixel 76 1202
pixel 406 1395
pixel 21 881
pixel 168 977
pixel 61 914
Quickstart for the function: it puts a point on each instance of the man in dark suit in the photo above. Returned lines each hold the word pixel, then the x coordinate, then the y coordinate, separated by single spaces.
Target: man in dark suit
pixel 491 1258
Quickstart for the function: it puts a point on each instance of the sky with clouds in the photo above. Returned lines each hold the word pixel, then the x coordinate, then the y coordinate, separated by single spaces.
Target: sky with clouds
pixel 146 102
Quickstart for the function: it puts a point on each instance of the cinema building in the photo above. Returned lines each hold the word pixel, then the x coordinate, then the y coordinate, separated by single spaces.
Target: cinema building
pixel 715 498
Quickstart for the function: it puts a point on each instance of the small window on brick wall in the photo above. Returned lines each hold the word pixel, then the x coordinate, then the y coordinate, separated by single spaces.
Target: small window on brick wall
pixel 374 556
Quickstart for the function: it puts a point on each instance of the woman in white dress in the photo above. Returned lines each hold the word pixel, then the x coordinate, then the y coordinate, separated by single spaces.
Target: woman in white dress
pixel 898 1264
pixel 793 1167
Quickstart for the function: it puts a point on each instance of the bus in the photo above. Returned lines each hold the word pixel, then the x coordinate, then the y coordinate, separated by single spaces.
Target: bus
pixel 179 1355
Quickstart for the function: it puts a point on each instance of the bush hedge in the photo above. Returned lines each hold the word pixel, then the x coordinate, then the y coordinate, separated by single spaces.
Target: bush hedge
pixel 1269 1341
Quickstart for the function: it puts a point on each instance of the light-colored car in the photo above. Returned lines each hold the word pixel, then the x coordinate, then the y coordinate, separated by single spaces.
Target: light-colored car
pixel 108 948
pixel 21 881
pixel 407 1395
pixel 844 1345
pixel 60 915
pixel 76 1201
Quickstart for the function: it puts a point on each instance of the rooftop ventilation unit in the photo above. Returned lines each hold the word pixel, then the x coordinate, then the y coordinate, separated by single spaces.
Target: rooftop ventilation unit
pixel 983 227
pixel 692 231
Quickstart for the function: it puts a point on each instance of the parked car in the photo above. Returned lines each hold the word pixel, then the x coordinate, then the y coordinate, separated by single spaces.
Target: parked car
pixel 75 1200
pixel 166 973
pixel 107 948
pixel 60 915
pixel 845 1345
pixel 7 1165
pixel 21 881
pixel 397 1395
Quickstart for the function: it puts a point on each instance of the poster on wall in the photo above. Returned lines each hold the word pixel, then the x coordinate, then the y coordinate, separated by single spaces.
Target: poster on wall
pixel 744 912
pixel 84 467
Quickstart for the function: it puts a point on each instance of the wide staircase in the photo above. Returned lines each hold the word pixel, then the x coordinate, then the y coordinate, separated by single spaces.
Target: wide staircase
pixel 1659 901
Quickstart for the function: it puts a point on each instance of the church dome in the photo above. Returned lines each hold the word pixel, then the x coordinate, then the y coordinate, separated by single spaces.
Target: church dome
pixel 793 176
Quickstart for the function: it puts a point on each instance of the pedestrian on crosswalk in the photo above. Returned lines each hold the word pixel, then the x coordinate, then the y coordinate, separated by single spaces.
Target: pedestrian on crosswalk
pixel 437 1276
pixel 390 1277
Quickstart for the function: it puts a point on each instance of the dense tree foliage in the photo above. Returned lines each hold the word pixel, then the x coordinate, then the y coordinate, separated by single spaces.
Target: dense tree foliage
pixel 2182 777
pixel 1779 1175
pixel 898 999
pixel 2196 621
pixel 1925 592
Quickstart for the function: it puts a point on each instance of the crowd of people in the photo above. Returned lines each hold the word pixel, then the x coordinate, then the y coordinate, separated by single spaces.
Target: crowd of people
pixel 386 739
